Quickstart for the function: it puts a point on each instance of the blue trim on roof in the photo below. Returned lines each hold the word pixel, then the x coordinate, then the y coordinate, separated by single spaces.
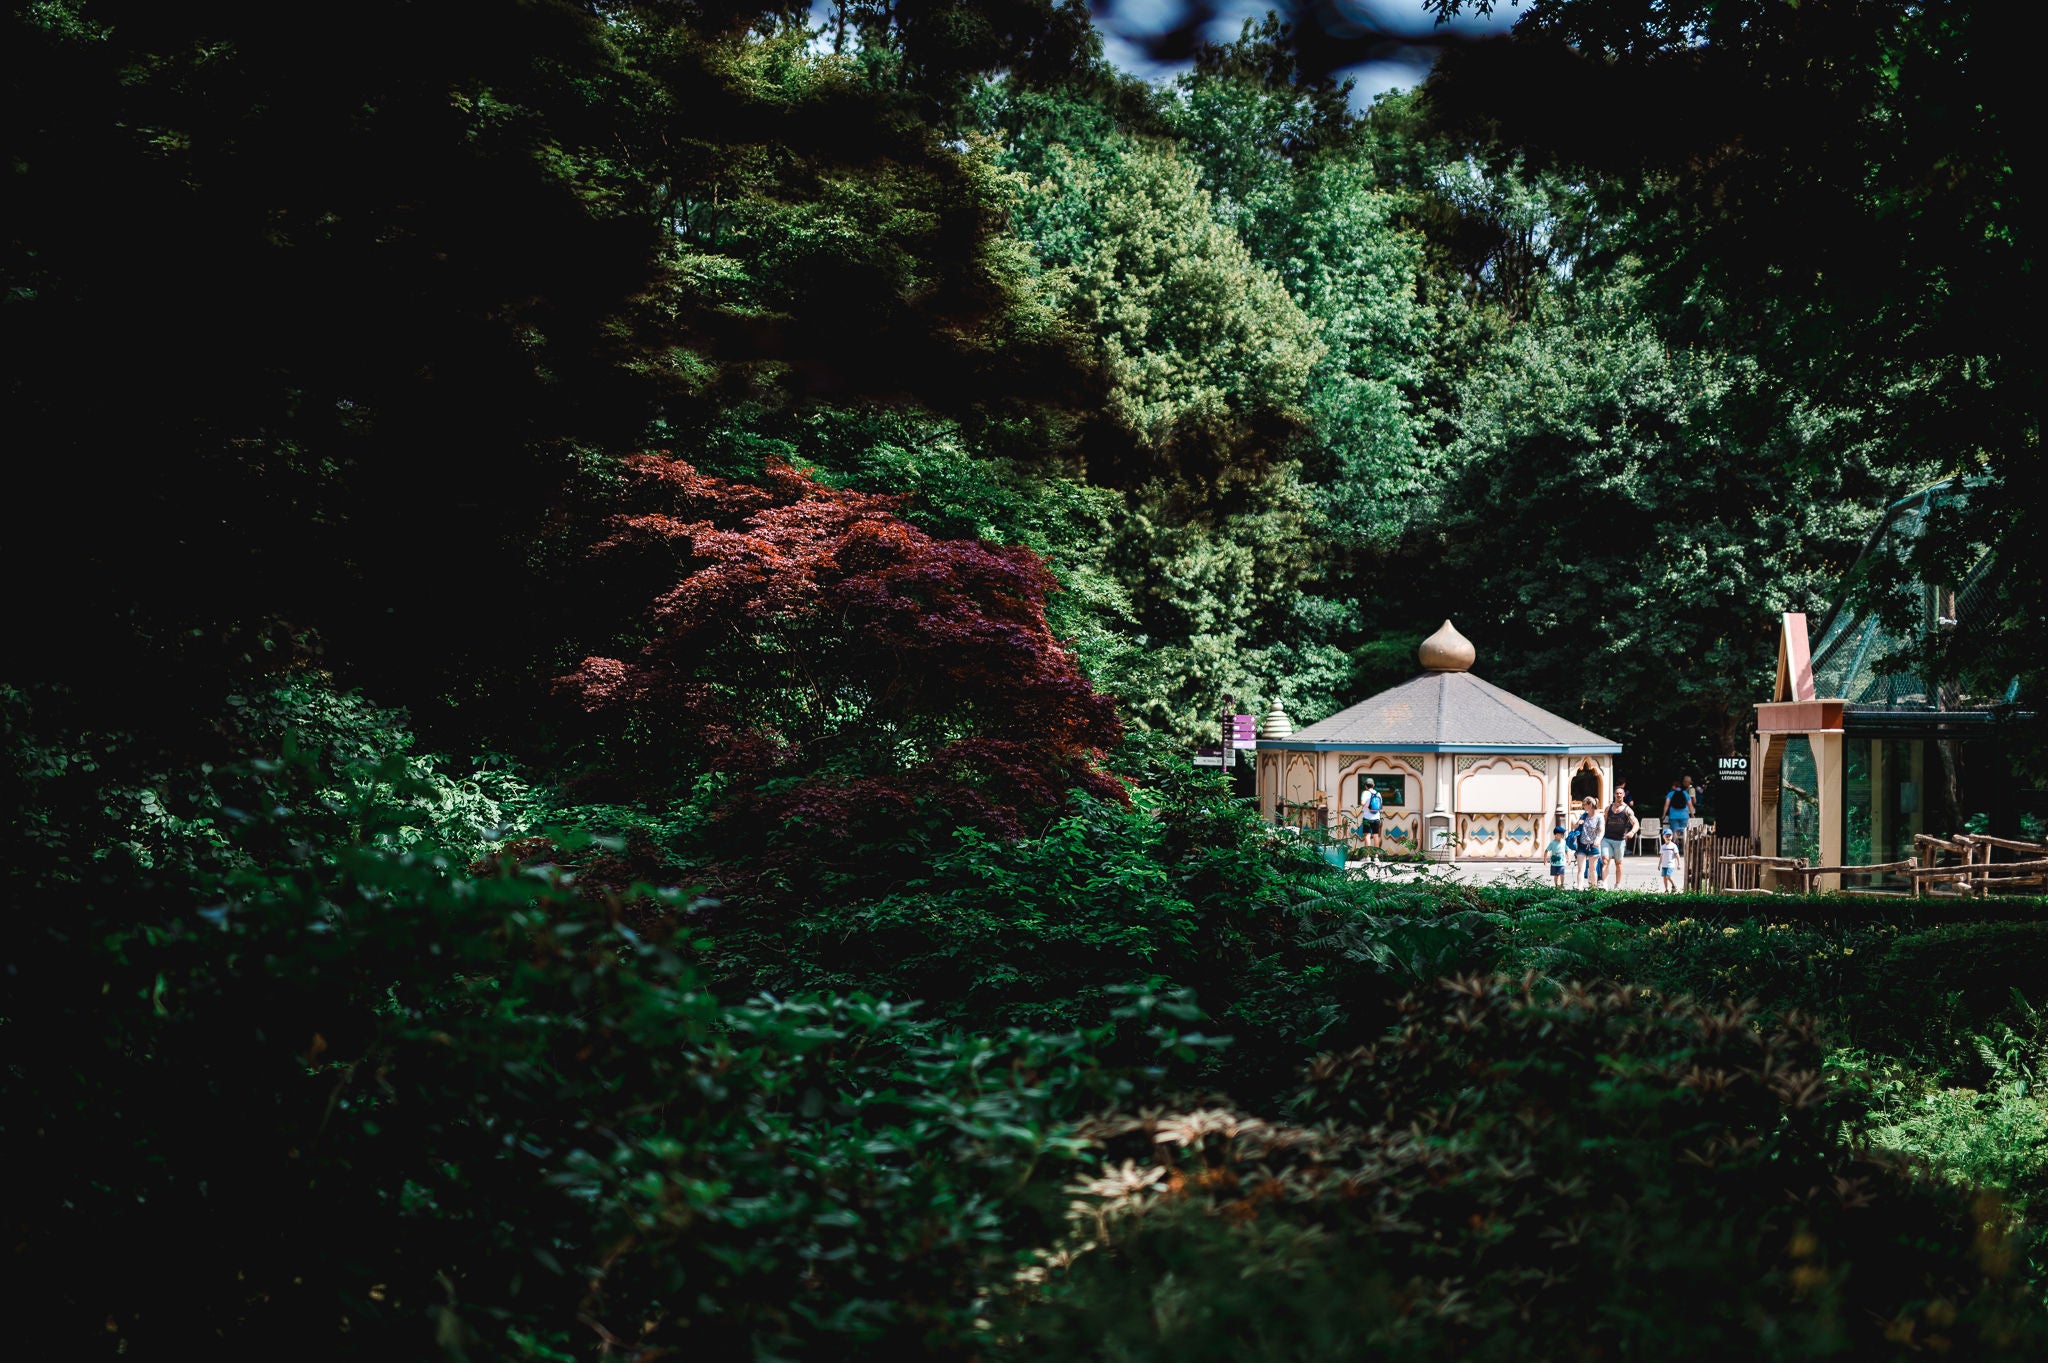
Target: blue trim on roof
pixel 1570 750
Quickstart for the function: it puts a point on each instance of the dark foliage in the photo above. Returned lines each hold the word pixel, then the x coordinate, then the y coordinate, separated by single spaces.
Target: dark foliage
pixel 1850 182
pixel 305 1084
pixel 1013 401
pixel 378 296
pixel 1519 1174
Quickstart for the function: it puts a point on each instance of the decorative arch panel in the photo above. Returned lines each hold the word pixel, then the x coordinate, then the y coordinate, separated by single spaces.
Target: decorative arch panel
pixel 1508 783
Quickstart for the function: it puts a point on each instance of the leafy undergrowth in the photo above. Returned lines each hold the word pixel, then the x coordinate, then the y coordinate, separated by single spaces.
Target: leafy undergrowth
pixel 391 1079
pixel 1974 1111
pixel 1516 1172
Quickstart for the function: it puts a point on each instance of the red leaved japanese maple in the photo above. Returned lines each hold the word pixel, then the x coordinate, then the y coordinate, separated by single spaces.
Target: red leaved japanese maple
pixel 819 635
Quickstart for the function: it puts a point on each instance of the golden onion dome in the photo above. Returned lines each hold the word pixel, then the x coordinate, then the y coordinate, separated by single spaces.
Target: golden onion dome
pixel 1447 651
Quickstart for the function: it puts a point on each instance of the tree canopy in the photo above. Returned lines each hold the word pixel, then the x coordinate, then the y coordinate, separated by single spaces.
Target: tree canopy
pixel 597 747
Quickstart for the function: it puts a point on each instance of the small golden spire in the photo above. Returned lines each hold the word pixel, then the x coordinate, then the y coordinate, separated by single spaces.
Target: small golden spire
pixel 1447 651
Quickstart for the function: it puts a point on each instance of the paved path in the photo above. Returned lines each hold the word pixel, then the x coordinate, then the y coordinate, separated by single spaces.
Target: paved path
pixel 1637 873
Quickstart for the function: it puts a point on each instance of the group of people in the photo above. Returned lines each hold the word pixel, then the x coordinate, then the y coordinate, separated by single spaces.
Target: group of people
pixel 1598 838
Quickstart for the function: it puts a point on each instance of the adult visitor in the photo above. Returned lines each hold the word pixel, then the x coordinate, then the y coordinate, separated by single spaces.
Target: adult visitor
pixel 1680 803
pixel 1369 817
pixel 1619 826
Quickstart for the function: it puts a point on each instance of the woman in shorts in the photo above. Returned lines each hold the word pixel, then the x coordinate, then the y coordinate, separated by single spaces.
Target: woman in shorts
pixel 1617 828
pixel 1591 825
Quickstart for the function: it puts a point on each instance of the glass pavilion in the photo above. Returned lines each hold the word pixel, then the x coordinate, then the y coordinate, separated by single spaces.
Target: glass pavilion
pixel 1857 753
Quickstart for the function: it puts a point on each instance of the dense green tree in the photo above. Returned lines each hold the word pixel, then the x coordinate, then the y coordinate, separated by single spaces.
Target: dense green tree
pixel 380 310
pixel 1638 515
pixel 1209 359
pixel 1207 353
pixel 1841 189
pixel 1284 161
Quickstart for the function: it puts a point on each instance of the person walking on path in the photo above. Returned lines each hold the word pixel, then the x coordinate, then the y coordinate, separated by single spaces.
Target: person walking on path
pixel 1667 860
pixel 1589 843
pixel 1556 853
pixel 1679 804
pixel 1621 825
pixel 1369 817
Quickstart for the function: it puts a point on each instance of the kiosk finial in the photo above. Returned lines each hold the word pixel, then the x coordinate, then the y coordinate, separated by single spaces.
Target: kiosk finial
pixel 1447 651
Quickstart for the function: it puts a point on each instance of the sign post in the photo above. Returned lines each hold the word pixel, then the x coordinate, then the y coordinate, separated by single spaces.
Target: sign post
pixel 1240 733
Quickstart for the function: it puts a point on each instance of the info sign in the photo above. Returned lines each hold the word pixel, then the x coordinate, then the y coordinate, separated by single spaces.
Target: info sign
pixel 1244 732
pixel 1731 800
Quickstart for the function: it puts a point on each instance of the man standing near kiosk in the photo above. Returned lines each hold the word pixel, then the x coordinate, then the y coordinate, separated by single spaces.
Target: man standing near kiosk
pixel 1621 826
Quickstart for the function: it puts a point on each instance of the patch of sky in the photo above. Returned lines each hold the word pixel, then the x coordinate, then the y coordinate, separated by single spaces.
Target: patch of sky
pixel 1126 25
pixel 1515 203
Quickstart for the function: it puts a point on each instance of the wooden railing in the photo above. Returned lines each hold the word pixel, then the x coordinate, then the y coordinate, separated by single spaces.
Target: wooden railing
pixel 1979 872
pixel 1725 865
pixel 1744 872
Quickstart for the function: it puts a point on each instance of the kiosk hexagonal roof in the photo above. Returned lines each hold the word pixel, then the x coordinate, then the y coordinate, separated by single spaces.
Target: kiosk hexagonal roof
pixel 1446 709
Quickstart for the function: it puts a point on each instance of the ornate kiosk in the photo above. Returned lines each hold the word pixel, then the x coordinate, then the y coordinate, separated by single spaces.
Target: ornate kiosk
pixel 1464 769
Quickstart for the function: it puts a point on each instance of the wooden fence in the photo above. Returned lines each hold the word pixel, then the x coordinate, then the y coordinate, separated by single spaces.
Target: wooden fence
pixel 1729 865
pixel 1719 863
pixel 1977 870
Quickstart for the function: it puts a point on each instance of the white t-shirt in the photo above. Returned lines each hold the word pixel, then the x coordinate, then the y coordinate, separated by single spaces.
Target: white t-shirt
pixel 1667 856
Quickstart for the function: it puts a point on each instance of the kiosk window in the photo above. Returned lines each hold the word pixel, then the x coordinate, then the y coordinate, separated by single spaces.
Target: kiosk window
pixel 1393 789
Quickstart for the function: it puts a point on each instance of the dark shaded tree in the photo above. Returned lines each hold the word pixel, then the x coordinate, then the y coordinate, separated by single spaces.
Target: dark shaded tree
pixel 346 319
pixel 1843 189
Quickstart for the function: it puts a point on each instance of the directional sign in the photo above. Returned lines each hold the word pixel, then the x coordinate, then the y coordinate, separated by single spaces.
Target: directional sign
pixel 1209 757
pixel 1244 731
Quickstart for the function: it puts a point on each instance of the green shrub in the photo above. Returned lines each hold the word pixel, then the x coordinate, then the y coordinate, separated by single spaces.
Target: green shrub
pixel 1988 1133
pixel 1186 885
pixel 1947 983
pixel 1818 969
pixel 336 1090
pixel 1515 1175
